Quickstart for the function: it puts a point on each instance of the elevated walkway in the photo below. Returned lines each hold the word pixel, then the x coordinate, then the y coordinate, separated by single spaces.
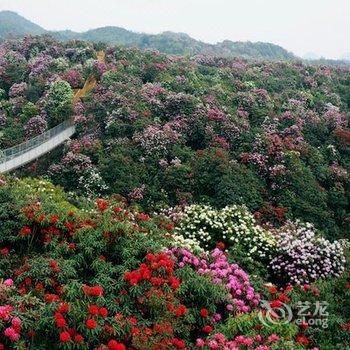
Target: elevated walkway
pixel 19 155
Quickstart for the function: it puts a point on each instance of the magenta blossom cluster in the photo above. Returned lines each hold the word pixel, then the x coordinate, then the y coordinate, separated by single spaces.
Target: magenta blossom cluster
pixel 74 78
pixel 219 342
pixel 241 295
pixel 40 65
pixel 13 324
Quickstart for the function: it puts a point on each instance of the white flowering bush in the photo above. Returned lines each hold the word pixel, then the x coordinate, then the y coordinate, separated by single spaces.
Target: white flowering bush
pixel 234 225
pixel 91 184
pixel 157 139
pixel 304 257
pixel 179 241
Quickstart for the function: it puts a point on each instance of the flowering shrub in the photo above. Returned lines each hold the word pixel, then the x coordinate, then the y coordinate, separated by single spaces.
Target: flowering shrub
pixel 74 78
pixel 11 322
pixel 334 295
pixel 278 336
pixel 96 67
pixel 77 168
pixel 18 89
pixel 304 257
pixel 242 297
pixel 257 342
pixel 148 302
pixel 13 67
pixel 105 276
pixel 35 126
pixel 209 130
pixel 156 139
pixel 158 131
pixel 233 225
pixel 59 102
pixel 187 243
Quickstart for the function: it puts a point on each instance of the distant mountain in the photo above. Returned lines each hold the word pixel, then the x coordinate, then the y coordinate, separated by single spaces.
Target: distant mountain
pixel 311 56
pixel 14 25
pixel 346 57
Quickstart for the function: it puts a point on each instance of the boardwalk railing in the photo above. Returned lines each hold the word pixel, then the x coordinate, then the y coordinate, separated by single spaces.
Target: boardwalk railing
pixel 25 152
pixel 15 157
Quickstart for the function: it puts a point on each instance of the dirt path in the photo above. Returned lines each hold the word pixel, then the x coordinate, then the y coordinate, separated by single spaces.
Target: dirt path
pixel 90 82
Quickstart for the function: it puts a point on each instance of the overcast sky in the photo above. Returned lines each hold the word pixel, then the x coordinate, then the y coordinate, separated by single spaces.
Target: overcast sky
pixel 301 26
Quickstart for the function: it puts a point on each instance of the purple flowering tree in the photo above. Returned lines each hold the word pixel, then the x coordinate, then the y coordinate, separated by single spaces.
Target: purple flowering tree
pixel 35 126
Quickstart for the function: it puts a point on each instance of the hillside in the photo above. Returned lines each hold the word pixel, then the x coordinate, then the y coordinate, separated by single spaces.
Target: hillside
pixel 198 196
pixel 166 130
pixel 14 25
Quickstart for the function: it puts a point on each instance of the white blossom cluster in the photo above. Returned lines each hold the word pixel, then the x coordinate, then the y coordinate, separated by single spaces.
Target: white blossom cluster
pixel 345 243
pixel 304 257
pixel 179 241
pixel 234 225
pixel 91 183
pixel 156 139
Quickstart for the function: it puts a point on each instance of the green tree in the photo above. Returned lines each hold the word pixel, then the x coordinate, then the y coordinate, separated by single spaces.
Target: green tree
pixel 59 102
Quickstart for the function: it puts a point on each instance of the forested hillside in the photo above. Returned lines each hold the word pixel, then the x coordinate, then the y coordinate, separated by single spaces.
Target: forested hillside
pixel 200 201
pixel 273 136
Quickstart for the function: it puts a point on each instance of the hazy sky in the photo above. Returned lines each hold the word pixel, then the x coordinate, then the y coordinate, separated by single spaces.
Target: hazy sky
pixel 301 26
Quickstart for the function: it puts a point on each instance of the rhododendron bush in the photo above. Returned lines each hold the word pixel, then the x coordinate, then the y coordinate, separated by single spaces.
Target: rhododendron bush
pixel 233 225
pixel 304 257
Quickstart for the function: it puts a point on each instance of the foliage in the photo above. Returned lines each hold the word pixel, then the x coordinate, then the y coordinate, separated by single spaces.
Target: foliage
pixel 81 274
pixel 200 129
pixel 59 102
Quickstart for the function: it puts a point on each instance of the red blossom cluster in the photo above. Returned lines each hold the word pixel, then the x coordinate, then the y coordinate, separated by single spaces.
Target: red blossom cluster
pixel 94 291
pixel 69 334
pixel 156 275
pixel 152 271
pixel 102 204
pixel 143 217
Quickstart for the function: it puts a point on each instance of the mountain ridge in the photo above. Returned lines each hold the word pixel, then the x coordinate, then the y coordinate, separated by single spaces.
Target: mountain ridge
pixel 13 25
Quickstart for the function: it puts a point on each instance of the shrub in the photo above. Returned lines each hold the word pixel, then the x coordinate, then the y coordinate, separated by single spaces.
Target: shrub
pixel 334 295
pixel 233 225
pixel 35 126
pixel 241 295
pixel 59 102
pixel 303 256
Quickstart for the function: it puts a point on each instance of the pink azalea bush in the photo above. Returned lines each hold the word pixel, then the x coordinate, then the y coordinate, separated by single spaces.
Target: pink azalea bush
pixel 242 296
